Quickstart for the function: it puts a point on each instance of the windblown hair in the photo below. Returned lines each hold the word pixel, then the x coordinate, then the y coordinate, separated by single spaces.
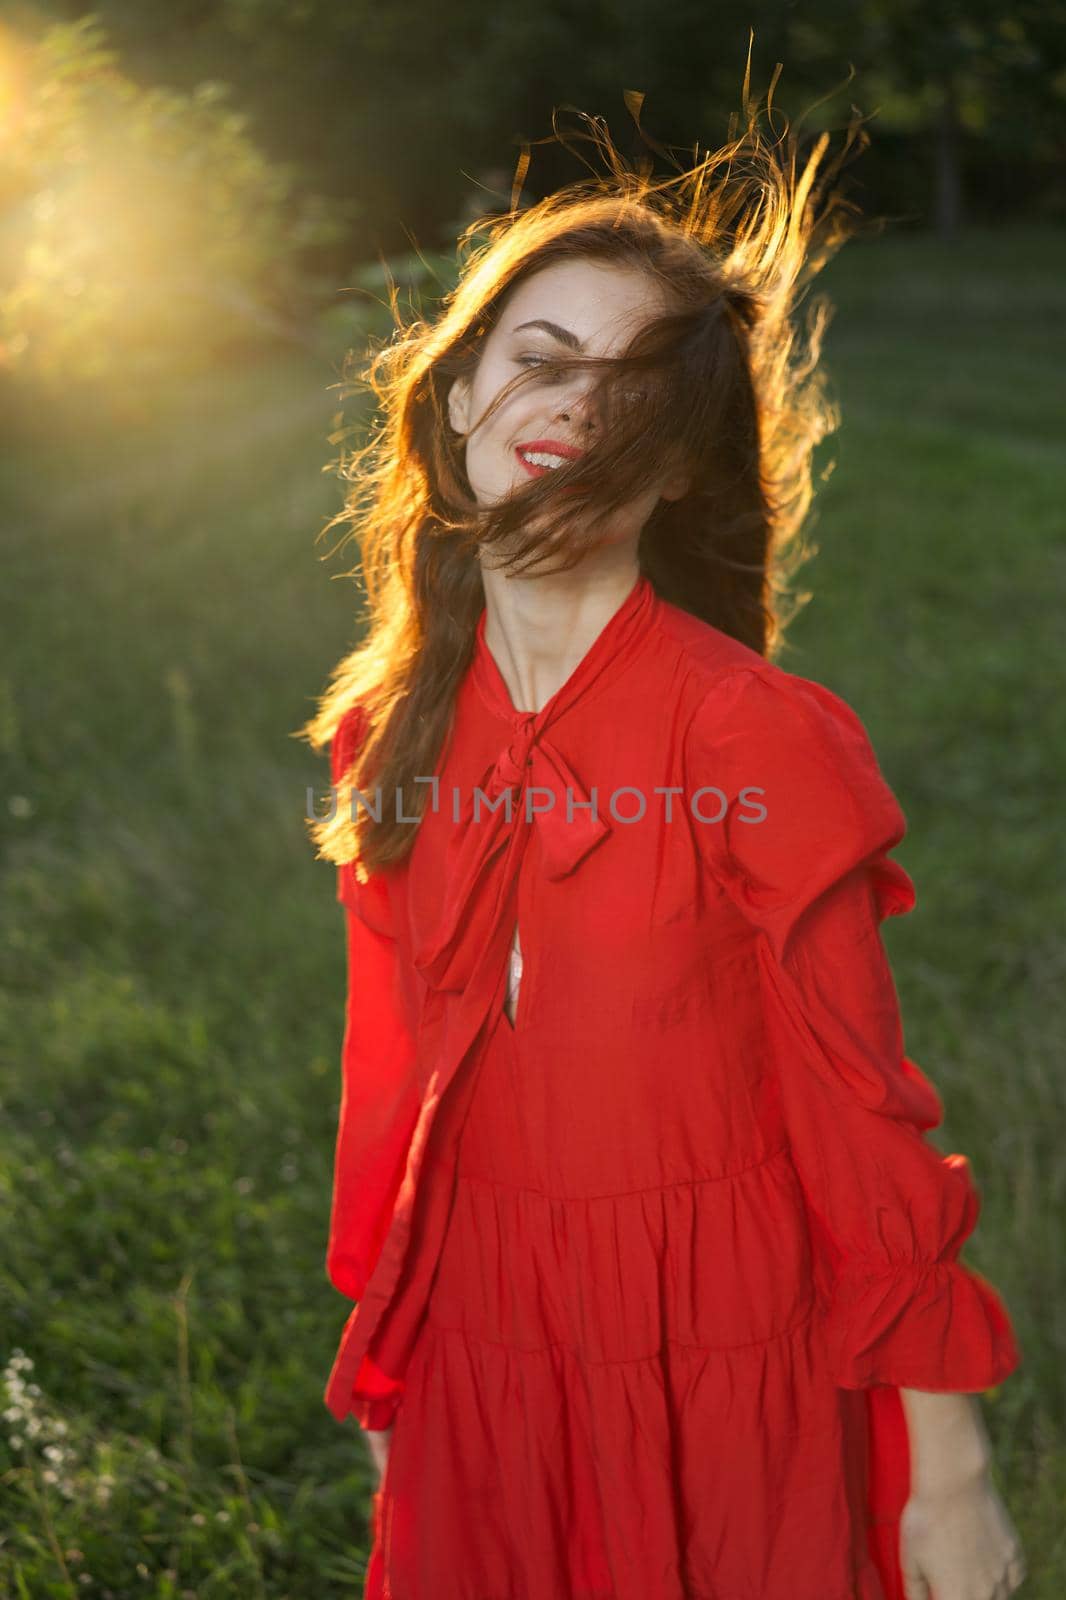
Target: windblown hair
pixel 730 394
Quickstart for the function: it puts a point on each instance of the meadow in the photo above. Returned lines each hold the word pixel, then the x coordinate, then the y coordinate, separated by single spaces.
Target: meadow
pixel 173 958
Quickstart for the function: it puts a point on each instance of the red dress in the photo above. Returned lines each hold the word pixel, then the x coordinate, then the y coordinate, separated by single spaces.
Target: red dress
pixel 638 1279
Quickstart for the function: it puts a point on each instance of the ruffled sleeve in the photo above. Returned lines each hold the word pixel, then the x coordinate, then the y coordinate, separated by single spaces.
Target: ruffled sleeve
pixel 379 1095
pixel 811 870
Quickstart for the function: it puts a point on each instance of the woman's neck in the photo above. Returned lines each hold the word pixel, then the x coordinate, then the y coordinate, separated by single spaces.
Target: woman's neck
pixel 539 629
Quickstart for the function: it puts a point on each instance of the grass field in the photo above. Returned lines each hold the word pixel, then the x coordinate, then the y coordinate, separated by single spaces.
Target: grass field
pixel 173 956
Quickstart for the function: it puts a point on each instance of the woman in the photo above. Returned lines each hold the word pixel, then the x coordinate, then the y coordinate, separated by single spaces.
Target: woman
pixel 657 1278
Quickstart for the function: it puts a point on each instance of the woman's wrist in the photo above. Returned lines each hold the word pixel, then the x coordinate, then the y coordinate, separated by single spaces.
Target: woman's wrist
pixel 949 1444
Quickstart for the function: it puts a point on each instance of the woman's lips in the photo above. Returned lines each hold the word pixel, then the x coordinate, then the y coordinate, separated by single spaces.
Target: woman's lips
pixel 533 470
pixel 538 472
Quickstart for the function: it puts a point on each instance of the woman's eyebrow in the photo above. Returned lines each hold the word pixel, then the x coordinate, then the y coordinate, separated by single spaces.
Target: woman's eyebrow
pixel 562 334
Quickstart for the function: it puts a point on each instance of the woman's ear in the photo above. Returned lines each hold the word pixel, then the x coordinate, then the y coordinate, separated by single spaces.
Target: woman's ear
pixel 459 405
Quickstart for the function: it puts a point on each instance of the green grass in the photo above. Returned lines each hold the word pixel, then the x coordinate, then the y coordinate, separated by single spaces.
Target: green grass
pixel 173 957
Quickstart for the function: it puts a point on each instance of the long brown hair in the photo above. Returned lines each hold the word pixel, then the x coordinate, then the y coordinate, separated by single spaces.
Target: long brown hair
pixel 732 395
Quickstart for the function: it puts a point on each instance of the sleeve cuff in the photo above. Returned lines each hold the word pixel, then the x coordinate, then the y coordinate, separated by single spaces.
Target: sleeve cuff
pixel 934 1325
pixel 373 1398
pixel 374 1416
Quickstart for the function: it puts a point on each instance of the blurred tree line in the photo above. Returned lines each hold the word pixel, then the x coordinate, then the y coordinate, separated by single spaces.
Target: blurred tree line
pixel 245 160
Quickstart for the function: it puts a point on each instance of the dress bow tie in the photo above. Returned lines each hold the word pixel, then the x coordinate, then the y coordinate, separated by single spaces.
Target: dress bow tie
pixel 567 825
pixel 473 926
pixel 486 844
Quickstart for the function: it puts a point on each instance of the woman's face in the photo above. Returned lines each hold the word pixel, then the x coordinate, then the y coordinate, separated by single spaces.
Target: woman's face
pixel 580 308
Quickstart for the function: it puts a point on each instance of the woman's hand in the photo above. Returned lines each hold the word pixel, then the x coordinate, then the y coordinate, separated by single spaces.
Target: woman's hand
pixel 960 1544
pixel 378 1441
